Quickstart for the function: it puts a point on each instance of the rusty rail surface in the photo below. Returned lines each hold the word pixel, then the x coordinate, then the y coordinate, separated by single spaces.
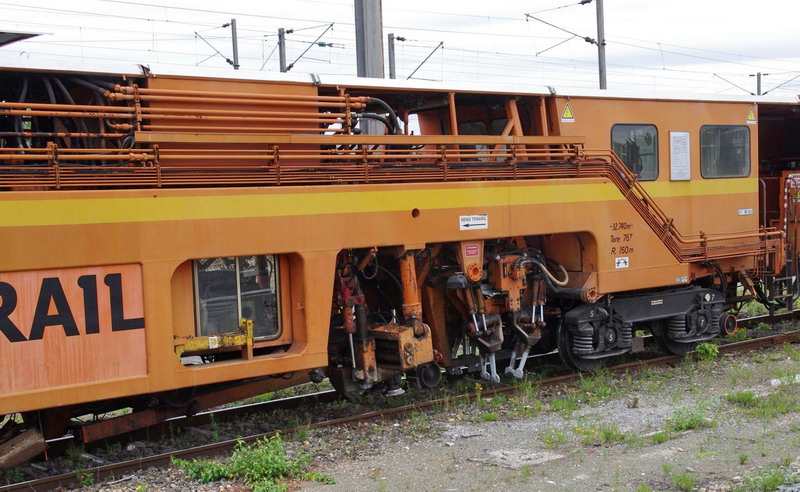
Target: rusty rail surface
pixel 116 469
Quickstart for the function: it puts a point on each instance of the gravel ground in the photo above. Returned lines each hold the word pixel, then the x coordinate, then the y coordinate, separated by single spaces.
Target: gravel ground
pixel 659 429
pixel 607 442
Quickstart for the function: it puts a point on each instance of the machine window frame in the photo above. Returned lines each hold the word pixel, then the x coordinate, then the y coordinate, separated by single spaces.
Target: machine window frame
pixel 655 166
pixel 705 165
pixel 274 283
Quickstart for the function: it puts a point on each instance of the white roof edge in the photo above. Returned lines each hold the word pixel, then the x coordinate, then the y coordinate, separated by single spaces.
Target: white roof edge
pixel 429 85
pixel 60 64
pixel 353 81
pixel 541 89
pixel 680 96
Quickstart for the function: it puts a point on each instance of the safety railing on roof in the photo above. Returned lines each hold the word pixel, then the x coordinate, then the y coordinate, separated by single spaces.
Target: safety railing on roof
pixel 171 160
pixel 226 159
pixel 686 248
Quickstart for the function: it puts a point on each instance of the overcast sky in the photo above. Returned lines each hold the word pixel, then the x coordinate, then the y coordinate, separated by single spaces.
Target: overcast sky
pixel 676 45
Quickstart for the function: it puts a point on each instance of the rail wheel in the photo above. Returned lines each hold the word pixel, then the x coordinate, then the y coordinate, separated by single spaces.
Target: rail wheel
pixel 675 348
pixel 728 324
pixel 342 382
pixel 666 344
pixel 572 360
pixel 428 375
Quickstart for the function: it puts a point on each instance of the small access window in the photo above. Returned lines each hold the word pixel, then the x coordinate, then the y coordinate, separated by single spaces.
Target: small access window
pixel 228 289
pixel 637 146
pixel 473 128
pixel 724 151
pixel 498 125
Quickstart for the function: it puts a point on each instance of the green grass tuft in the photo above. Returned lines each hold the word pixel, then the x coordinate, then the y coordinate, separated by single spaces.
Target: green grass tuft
pixel 766 480
pixel 707 351
pixel 553 438
pixel 684 481
pixel 263 465
pixel 689 418
pixel 660 438
pixel 743 398
pixel 564 405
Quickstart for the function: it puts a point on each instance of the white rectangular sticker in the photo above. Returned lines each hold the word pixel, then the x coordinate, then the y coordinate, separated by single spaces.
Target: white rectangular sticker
pixel 621 262
pixel 745 211
pixel 679 157
pixel 470 222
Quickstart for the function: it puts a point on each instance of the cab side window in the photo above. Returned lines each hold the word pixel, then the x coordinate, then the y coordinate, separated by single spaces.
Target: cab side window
pixel 724 151
pixel 228 289
pixel 637 146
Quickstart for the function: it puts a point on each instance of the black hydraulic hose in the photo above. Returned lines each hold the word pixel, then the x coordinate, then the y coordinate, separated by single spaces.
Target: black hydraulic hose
pixel 722 280
pixel 70 100
pixel 89 85
pixel 128 141
pixel 375 116
pixel 49 88
pixel 64 91
pixel 391 275
pixel 762 297
pixel 547 274
pixel 104 83
pixel 568 292
pixel 101 123
pixel 362 323
pixel 51 95
pixel 395 126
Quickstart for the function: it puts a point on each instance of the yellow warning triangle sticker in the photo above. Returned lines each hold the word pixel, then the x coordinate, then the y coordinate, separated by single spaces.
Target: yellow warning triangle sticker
pixel 567 115
pixel 751 116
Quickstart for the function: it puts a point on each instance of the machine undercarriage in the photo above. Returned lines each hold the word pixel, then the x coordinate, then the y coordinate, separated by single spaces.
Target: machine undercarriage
pixel 488 306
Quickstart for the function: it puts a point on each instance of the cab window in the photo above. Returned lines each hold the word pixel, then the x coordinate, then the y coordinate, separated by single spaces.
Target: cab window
pixel 228 289
pixel 724 151
pixel 637 146
pixel 499 125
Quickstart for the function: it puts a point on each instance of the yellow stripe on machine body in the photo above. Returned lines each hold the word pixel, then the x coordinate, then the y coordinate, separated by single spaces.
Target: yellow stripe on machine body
pixel 166 205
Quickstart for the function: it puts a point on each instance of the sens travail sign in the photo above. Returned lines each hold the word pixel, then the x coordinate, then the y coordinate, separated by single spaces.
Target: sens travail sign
pixel 474 221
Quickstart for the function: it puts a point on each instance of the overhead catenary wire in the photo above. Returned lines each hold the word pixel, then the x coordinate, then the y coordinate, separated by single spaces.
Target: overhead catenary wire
pixel 460 14
pixel 441 44
pixel 582 2
pixel 779 85
pixel 554 61
pixel 213 48
pixel 268 57
pixel 167 7
pixel 289 67
pixel 737 86
pixel 487 65
pixel 574 35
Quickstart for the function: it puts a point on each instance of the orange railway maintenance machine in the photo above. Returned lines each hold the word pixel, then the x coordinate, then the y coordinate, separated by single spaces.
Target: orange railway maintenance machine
pixel 172 242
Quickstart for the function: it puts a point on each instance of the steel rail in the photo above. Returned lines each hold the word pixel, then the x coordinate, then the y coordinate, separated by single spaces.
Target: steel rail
pixel 100 472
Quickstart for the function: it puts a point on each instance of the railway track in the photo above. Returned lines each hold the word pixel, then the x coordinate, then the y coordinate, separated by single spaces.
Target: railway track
pixel 118 469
